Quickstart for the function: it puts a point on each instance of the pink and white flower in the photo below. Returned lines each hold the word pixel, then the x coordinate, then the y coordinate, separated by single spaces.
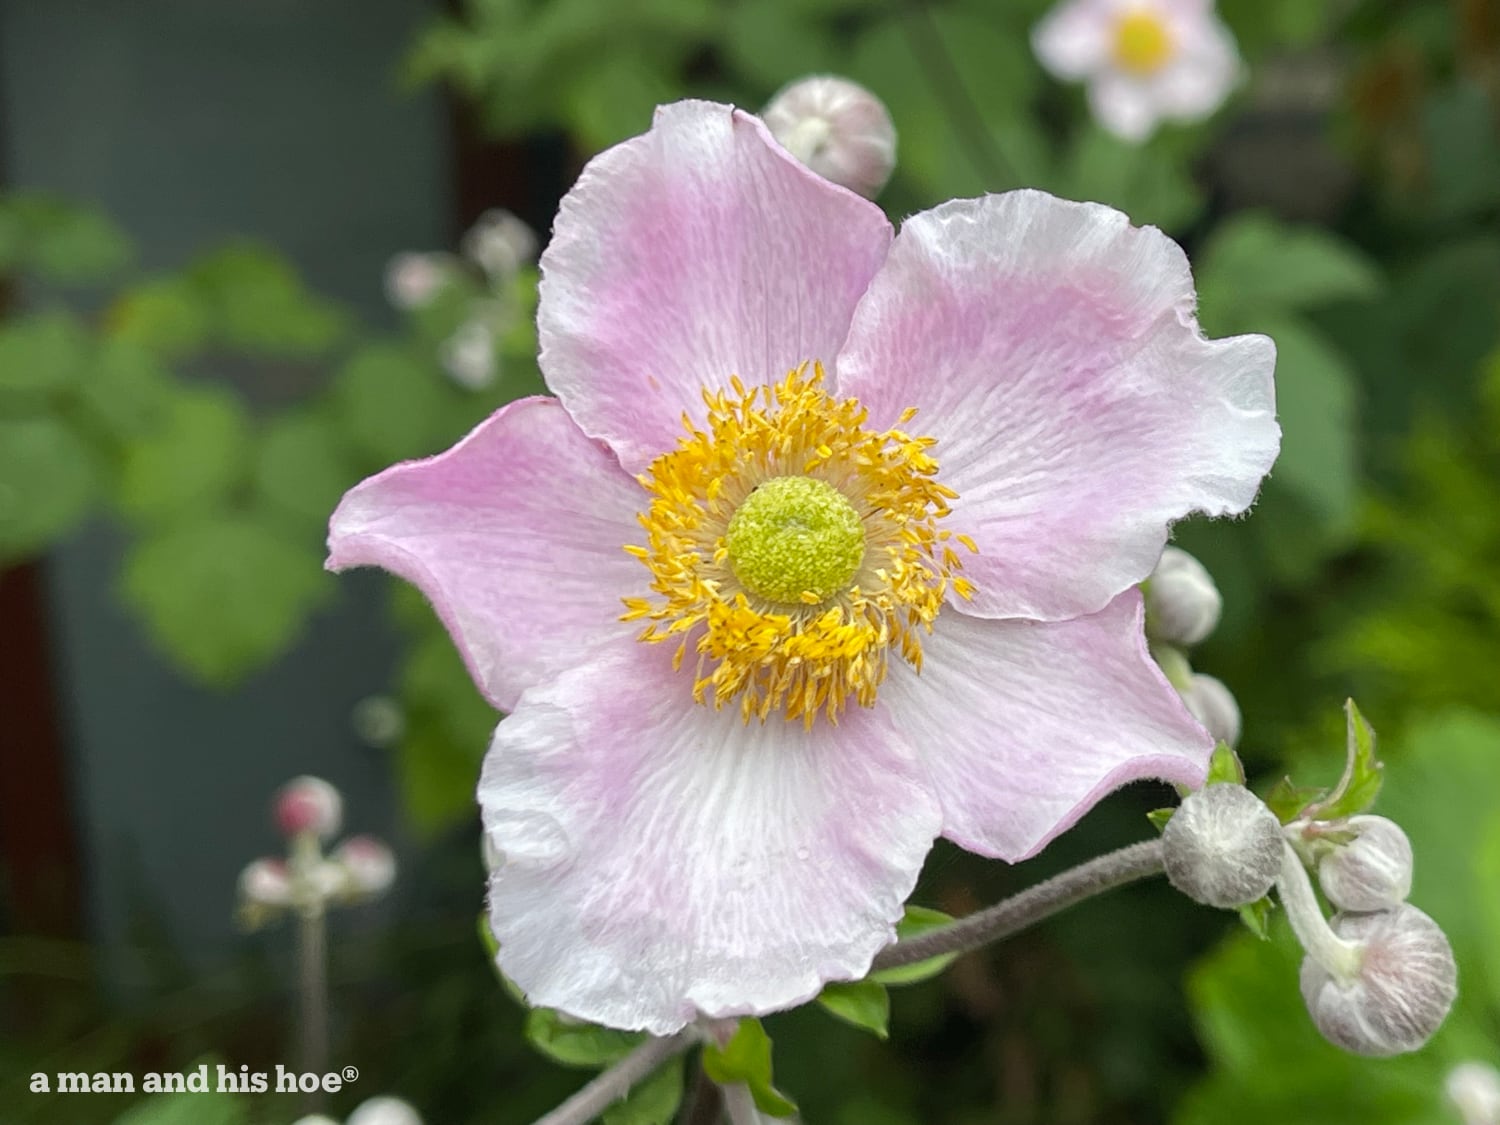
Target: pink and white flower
pixel 1145 61
pixel 737 347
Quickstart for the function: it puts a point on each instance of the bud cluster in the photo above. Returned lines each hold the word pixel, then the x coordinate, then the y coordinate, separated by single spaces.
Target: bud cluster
pixel 1379 977
pixel 495 252
pixel 1182 609
pixel 308 813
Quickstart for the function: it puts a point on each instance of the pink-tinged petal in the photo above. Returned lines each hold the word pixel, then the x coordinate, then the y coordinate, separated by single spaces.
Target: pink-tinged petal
pixel 1025 726
pixel 514 534
pixel 663 860
pixel 1124 105
pixel 1052 350
pixel 695 252
pixel 1075 38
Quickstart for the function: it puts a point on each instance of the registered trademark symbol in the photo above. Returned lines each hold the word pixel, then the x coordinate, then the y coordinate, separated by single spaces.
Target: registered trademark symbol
pixel 351 1073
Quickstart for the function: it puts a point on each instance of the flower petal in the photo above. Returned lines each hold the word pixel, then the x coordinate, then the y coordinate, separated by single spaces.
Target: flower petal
pixel 1053 352
pixel 1075 38
pixel 1124 105
pixel 1206 69
pixel 663 860
pixel 695 252
pixel 514 534
pixel 1025 726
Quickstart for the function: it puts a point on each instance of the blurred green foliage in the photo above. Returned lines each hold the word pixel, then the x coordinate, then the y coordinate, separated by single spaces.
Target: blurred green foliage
pixel 1371 565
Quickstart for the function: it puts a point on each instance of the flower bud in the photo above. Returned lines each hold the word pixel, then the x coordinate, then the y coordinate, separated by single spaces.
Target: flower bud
pixel 838 129
pixel 309 804
pixel 1212 705
pixel 369 865
pixel 315 1119
pixel 1474 1090
pixel 384 1111
pixel 412 280
pixel 1372 871
pixel 500 243
pixel 469 355
pixel 265 882
pixel 1399 995
pixel 1182 602
pixel 1222 847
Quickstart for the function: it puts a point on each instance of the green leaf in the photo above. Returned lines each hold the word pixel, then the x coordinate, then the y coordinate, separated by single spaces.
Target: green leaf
pixel 1360 783
pixel 575 1043
pixel 1159 818
pixel 1149 183
pixel 1224 767
pixel 916 921
pixel 167 315
pixel 1254 266
pixel 259 305
pixel 1287 800
pixel 60 241
pixel 747 1058
pixel 48 479
pixel 40 357
pixel 301 467
pixel 192 463
pixel 651 1102
pixel 864 1003
pixel 127 390
pixel 224 594
pixel 1257 917
pixel 393 406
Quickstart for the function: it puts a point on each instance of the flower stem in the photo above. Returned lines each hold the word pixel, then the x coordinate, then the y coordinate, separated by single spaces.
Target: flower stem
pixel 1339 957
pixel 1021 911
pixel 613 1084
pixel 739 1104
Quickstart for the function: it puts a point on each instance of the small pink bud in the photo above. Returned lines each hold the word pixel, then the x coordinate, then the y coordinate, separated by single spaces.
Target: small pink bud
pixel 1213 705
pixel 368 863
pixel 838 129
pixel 1400 992
pixel 1182 602
pixel 412 280
pixel 309 804
pixel 384 1111
pixel 1222 847
pixel 1372 871
pixel 265 882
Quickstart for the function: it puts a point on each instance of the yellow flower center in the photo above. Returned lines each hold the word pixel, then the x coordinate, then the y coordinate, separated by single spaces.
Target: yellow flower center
pixel 792 550
pixel 1143 43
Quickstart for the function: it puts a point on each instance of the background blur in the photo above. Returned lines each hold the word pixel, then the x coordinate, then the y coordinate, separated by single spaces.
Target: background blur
pixel 199 352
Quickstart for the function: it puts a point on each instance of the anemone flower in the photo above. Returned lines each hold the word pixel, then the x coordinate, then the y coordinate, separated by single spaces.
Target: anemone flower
pixel 826 546
pixel 1145 61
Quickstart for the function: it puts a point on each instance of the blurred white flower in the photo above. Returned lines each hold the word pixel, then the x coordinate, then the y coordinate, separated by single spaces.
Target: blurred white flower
pixel 500 243
pixel 1145 61
pixel 838 129
pixel 384 1111
pixel 1474 1089
pixel 412 279
pixel 469 355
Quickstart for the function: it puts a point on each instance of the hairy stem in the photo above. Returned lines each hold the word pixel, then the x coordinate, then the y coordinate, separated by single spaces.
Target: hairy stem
pixel 739 1105
pixel 1023 910
pixel 613 1084
pixel 1339 957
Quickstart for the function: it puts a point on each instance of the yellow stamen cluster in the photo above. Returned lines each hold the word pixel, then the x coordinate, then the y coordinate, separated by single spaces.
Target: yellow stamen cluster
pixel 812 653
pixel 1143 43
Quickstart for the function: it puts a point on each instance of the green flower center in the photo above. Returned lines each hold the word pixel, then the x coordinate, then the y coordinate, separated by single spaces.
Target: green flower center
pixel 795 540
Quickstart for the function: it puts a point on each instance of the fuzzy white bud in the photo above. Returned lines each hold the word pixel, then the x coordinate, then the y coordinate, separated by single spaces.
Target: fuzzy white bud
pixel 265 882
pixel 1372 871
pixel 469 355
pixel 384 1111
pixel 1182 602
pixel 838 129
pixel 1474 1090
pixel 412 279
pixel 309 804
pixel 1213 705
pixel 1400 992
pixel 500 243
pixel 315 1119
pixel 1222 847
pixel 369 864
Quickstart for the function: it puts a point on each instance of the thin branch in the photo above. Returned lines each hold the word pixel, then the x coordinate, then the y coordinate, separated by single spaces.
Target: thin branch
pixel 613 1084
pixel 1021 911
